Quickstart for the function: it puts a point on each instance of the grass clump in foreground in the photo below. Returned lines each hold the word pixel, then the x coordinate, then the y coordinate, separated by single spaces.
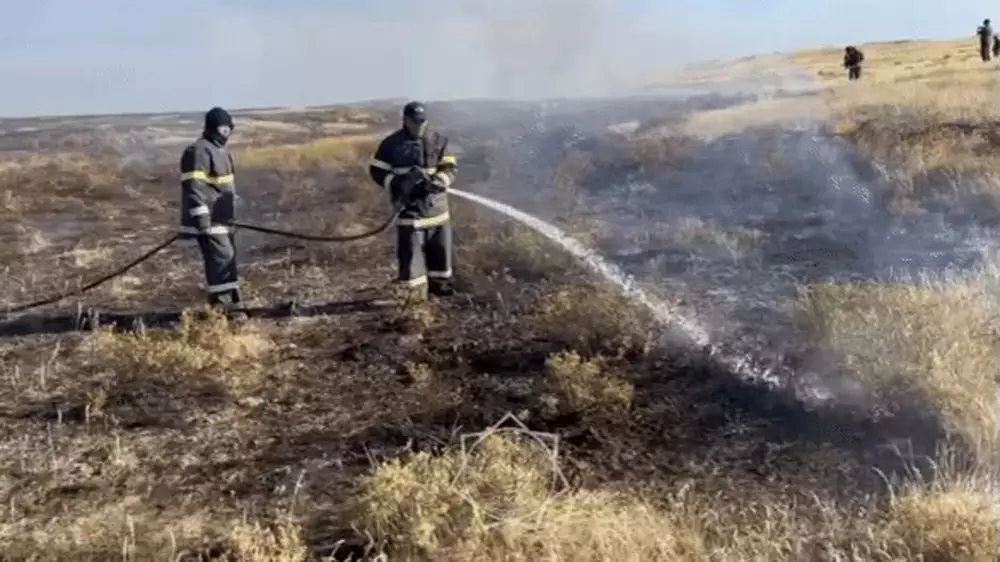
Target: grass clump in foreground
pixel 203 344
pixel 955 518
pixel 927 346
pixel 129 531
pixel 505 499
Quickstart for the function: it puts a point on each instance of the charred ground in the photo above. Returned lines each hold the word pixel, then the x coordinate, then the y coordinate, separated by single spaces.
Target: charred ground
pixel 294 433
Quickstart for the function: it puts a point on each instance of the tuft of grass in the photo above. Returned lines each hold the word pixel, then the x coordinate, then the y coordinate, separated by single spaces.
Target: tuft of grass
pixel 934 344
pixel 254 542
pixel 505 500
pixel 594 319
pixel 205 343
pixel 587 384
pixel 509 251
pixel 125 531
pixel 419 374
pixel 955 519
pixel 417 314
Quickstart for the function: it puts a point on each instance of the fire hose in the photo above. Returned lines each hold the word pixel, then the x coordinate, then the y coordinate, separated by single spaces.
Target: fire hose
pixel 166 243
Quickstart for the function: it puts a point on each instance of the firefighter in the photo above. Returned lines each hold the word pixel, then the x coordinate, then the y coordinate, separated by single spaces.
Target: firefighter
pixel 208 206
pixel 852 62
pixel 415 166
pixel 985 33
pixel 996 45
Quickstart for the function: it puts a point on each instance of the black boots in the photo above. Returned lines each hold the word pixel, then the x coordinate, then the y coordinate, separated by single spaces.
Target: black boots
pixel 441 288
pixel 228 302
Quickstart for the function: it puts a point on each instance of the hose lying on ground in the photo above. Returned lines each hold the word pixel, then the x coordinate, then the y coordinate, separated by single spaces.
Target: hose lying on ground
pixel 117 273
pixel 266 230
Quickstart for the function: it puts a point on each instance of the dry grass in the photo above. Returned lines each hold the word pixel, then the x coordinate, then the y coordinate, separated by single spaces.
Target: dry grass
pixel 927 110
pixel 909 346
pixel 204 344
pixel 504 497
pixel 509 251
pixel 952 518
pixel 595 319
pixel 587 384
pixel 49 183
pixel 336 153
pixel 507 498
pixel 130 531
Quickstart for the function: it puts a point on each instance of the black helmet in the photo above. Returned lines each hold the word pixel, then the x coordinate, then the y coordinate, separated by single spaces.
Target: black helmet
pixel 217 117
pixel 415 111
pixel 986 21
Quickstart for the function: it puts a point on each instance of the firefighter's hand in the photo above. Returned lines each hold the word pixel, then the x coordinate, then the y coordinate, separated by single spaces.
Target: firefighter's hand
pixel 419 191
pixel 416 175
pixel 436 187
pixel 402 188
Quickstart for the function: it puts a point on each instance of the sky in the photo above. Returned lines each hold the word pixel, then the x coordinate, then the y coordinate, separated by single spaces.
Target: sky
pixel 120 56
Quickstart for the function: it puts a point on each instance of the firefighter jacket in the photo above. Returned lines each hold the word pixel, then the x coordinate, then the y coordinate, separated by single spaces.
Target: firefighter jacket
pixel 985 33
pixel 394 158
pixel 208 197
pixel 853 57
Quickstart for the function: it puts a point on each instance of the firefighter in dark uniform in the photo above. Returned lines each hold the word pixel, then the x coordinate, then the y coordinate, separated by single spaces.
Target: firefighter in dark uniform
pixel 852 62
pixel 208 205
pixel 414 165
pixel 986 37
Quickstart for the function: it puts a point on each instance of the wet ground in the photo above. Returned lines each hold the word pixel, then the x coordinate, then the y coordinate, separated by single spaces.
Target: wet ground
pixel 814 209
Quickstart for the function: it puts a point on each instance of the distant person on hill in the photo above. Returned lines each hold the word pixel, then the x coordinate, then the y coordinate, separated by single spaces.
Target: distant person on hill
pixel 996 46
pixel 852 62
pixel 986 36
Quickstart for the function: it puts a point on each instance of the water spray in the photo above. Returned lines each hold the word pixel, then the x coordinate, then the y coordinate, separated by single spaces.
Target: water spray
pixel 681 331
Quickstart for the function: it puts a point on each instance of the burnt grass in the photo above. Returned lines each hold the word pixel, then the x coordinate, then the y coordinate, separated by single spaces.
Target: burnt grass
pixel 336 395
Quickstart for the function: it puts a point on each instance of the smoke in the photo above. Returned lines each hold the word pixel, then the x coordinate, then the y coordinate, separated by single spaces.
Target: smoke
pixel 194 54
pixel 451 50
pixel 63 57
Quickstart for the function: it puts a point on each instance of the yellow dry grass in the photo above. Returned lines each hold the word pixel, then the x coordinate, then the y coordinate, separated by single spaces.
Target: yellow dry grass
pixel 336 153
pixel 595 319
pixel 923 107
pixel 588 383
pixel 205 344
pixel 47 183
pixel 130 531
pixel 506 498
pixel 502 496
pixel 913 346
pixel 952 518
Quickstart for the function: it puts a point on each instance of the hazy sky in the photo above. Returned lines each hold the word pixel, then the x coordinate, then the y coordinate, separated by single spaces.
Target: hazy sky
pixel 110 56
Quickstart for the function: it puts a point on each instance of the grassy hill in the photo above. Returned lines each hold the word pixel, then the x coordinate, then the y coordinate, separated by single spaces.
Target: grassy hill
pixel 354 427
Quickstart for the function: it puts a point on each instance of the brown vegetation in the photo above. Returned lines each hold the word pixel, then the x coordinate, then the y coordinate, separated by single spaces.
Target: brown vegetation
pixel 353 431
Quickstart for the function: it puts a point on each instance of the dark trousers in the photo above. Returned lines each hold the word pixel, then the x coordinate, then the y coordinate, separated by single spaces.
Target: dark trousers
pixel 984 51
pixel 423 254
pixel 218 251
pixel 854 72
